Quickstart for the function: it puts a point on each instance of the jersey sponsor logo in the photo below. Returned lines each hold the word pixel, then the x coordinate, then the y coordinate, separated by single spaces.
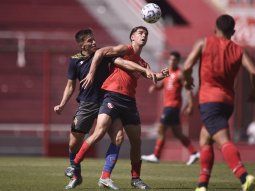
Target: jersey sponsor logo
pixel 110 105
pixel 81 62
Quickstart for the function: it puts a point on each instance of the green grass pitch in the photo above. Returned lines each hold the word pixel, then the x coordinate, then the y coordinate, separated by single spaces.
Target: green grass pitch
pixel 47 174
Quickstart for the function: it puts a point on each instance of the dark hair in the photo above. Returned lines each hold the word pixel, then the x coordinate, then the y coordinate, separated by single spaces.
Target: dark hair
pixel 226 24
pixel 81 34
pixel 176 54
pixel 136 28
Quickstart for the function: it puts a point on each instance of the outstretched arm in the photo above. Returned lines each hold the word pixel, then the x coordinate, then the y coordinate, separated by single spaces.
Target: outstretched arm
pixel 162 74
pixel 134 67
pixel 190 62
pixel 109 51
pixel 68 92
pixel 250 66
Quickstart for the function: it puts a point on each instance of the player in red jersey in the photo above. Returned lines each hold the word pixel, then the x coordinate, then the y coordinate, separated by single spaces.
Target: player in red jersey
pixel 89 100
pixel 220 60
pixel 172 86
pixel 119 101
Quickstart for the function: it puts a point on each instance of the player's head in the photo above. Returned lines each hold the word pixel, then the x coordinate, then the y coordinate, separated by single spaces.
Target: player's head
pixel 85 39
pixel 174 59
pixel 139 35
pixel 225 24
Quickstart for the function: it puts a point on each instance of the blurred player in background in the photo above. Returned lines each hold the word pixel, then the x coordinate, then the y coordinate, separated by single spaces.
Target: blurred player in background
pixel 119 100
pixel 172 86
pixel 220 61
pixel 89 100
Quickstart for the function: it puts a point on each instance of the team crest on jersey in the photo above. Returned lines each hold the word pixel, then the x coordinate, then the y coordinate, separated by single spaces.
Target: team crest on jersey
pixel 110 105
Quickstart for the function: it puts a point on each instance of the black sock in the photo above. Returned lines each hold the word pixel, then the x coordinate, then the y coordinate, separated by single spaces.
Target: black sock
pixel 243 177
pixel 203 184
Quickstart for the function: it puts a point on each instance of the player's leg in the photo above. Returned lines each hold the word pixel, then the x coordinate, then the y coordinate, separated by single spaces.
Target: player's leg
pixel 75 142
pixel 215 117
pixel 233 159
pixel 177 131
pixel 158 145
pixel 206 159
pixel 134 135
pixel 117 136
pixel 103 123
pixel 104 120
pixel 82 123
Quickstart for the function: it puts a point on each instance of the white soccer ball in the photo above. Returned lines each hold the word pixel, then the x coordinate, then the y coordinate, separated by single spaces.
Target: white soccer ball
pixel 151 13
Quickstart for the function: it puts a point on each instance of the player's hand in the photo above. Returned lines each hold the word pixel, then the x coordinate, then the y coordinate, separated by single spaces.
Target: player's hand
pixel 87 81
pixel 165 72
pixel 151 75
pixel 58 109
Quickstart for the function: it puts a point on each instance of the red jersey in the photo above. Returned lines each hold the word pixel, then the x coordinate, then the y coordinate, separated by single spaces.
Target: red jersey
pixel 219 65
pixel 124 82
pixel 172 89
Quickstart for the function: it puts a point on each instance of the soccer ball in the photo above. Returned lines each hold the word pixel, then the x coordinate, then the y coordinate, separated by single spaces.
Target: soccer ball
pixel 151 13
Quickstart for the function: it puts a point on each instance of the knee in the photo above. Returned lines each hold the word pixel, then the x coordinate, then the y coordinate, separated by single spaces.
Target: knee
pixel 74 146
pixel 205 141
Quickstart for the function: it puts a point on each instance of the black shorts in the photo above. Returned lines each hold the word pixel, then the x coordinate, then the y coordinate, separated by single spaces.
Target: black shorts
pixel 215 116
pixel 120 106
pixel 85 116
pixel 170 116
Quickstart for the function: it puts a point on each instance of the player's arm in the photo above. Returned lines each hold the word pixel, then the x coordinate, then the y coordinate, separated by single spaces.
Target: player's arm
pixel 162 74
pixel 250 66
pixel 134 67
pixel 189 107
pixel 68 92
pixel 110 51
pixel 190 61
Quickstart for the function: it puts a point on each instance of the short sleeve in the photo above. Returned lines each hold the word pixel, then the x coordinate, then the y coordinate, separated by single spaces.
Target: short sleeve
pixel 72 70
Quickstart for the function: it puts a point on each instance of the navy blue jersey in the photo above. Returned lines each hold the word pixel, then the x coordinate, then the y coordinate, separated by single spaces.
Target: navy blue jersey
pixel 79 67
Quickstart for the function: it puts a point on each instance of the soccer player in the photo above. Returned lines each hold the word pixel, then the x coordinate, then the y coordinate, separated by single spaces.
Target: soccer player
pixel 220 60
pixel 172 86
pixel 89 100
pixel 119 100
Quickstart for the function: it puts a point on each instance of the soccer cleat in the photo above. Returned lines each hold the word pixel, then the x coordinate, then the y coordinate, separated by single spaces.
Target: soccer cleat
pixel 201 189
pixel 150 158
pixel 107 183
pixel 69 172
pixel 193 158
pixel 138 183
pixel 249 184
pixel 73 183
